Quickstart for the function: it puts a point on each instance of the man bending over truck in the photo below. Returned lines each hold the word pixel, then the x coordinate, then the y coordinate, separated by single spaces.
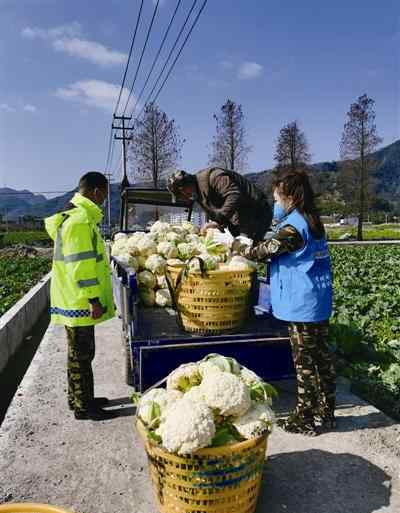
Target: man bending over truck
pixel 228 198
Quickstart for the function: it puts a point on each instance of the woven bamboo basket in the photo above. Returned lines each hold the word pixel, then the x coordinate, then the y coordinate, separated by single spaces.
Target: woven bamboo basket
pixel 215 480
pixel 213 303
pixel 29 507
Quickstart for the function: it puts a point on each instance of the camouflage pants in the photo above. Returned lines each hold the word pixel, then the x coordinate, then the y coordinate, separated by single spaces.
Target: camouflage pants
pixel 81 351
pixel 315 369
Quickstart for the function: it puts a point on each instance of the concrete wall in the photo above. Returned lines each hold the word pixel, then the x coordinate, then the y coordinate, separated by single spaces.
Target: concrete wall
pixel 17 322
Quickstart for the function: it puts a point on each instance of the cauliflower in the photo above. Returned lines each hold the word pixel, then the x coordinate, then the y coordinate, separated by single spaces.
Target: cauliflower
pixel 184 377
pixel 146 279
pixel 174 262
pixel 167 250
pixel 186 250
pixel 223 363
pixel 132 246
pixel 156 264
pixel 120 236
pixel 129 261
pixel 249 377
pixel 186 426
pixel 195 394
pixel 159 227
pixel 141 262
pixel 137 236
pixel 258 419
pixel 163 298
pixel 210 263
pixel 146 246
pixel 226 393
pixel 119 247
pixel 239 263
pixel 154 403
pixel 162 282
pixel 178 228
pixel 189 227
pixel 173 237
pixel 147 296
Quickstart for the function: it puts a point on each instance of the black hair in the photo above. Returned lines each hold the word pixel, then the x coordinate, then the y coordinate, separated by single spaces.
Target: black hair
pixel 296 184
pixel 93 180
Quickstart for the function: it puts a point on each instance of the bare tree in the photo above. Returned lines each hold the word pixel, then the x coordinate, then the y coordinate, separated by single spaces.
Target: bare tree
pixel 229 149
pixel 156 145
pixel 292 148
pixel 359 140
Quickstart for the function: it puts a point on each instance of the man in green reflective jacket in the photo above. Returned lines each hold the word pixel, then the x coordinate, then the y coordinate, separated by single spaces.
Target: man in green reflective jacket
pixel 81 290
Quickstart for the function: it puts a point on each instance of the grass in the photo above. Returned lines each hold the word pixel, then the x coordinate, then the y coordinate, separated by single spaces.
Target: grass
pixel 17 276
pixel 370 232
pixel 10 238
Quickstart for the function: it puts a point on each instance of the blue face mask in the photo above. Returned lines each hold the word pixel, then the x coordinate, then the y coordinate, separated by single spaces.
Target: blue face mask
pixel 279 211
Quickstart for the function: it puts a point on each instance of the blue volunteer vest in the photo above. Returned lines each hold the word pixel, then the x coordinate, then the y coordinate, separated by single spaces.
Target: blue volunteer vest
pixel 301 281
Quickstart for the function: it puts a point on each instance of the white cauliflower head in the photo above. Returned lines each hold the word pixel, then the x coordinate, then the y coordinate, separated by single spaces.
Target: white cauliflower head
pixel 160 227
pixel 186 250
pixel 129 261
pixel 132 246
pixel 221 363
pixel 156 264
pixel 120 236
pixel 239 263
pixel 190 228
pixel 146 279
pixel 256 421
pixel 154 403
pixel 163 298
pixel 162 282
pixel 174 262
pixel 167 250
pixel 119 247
pixel 184 377
pixel 226 393
pixel 173 237
pixel 186 426
pixel 141 262
pixel 147 296
pixel 147 246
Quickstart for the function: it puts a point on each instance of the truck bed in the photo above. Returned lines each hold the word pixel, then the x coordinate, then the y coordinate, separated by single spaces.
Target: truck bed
pixel 161 323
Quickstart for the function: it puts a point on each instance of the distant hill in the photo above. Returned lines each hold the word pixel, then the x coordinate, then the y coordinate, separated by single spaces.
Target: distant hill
pixel 387 174
pixel 19 203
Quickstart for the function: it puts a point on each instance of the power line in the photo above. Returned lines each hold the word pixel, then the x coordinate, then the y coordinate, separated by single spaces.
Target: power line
pixel 110 147
pixel 169 57
pixel 156 57
pixel 181 49
pixel 141 56
pixel 129 57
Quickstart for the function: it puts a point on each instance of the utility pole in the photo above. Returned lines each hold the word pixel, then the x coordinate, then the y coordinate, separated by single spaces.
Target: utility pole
pixel 124 138
pixel 108 176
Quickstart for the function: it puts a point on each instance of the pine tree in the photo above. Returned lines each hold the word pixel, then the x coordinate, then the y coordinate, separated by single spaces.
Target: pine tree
pixel 359 141
pixel 229 149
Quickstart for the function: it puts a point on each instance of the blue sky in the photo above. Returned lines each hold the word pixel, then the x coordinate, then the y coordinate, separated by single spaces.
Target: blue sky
pixel 62 64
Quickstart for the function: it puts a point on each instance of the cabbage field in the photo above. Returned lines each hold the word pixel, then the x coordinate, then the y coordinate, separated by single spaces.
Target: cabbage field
pixel 366 321
pixel 17 276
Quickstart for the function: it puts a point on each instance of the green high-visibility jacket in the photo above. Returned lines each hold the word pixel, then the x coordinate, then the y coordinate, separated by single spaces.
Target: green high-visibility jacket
pixel 81 270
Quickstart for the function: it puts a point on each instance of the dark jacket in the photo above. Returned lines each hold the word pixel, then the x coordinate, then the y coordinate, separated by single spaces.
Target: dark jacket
pixel 234 202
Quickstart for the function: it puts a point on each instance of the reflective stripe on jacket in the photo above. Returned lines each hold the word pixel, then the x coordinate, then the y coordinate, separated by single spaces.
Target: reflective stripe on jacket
pixel 80 266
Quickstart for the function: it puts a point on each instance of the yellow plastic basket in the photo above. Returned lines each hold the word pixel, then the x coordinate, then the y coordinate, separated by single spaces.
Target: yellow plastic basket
pixel 213 303
pixel 30 507
pixel 216 480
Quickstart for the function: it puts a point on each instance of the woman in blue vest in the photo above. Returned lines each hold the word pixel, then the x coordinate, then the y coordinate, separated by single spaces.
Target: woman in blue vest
pixel 301 293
